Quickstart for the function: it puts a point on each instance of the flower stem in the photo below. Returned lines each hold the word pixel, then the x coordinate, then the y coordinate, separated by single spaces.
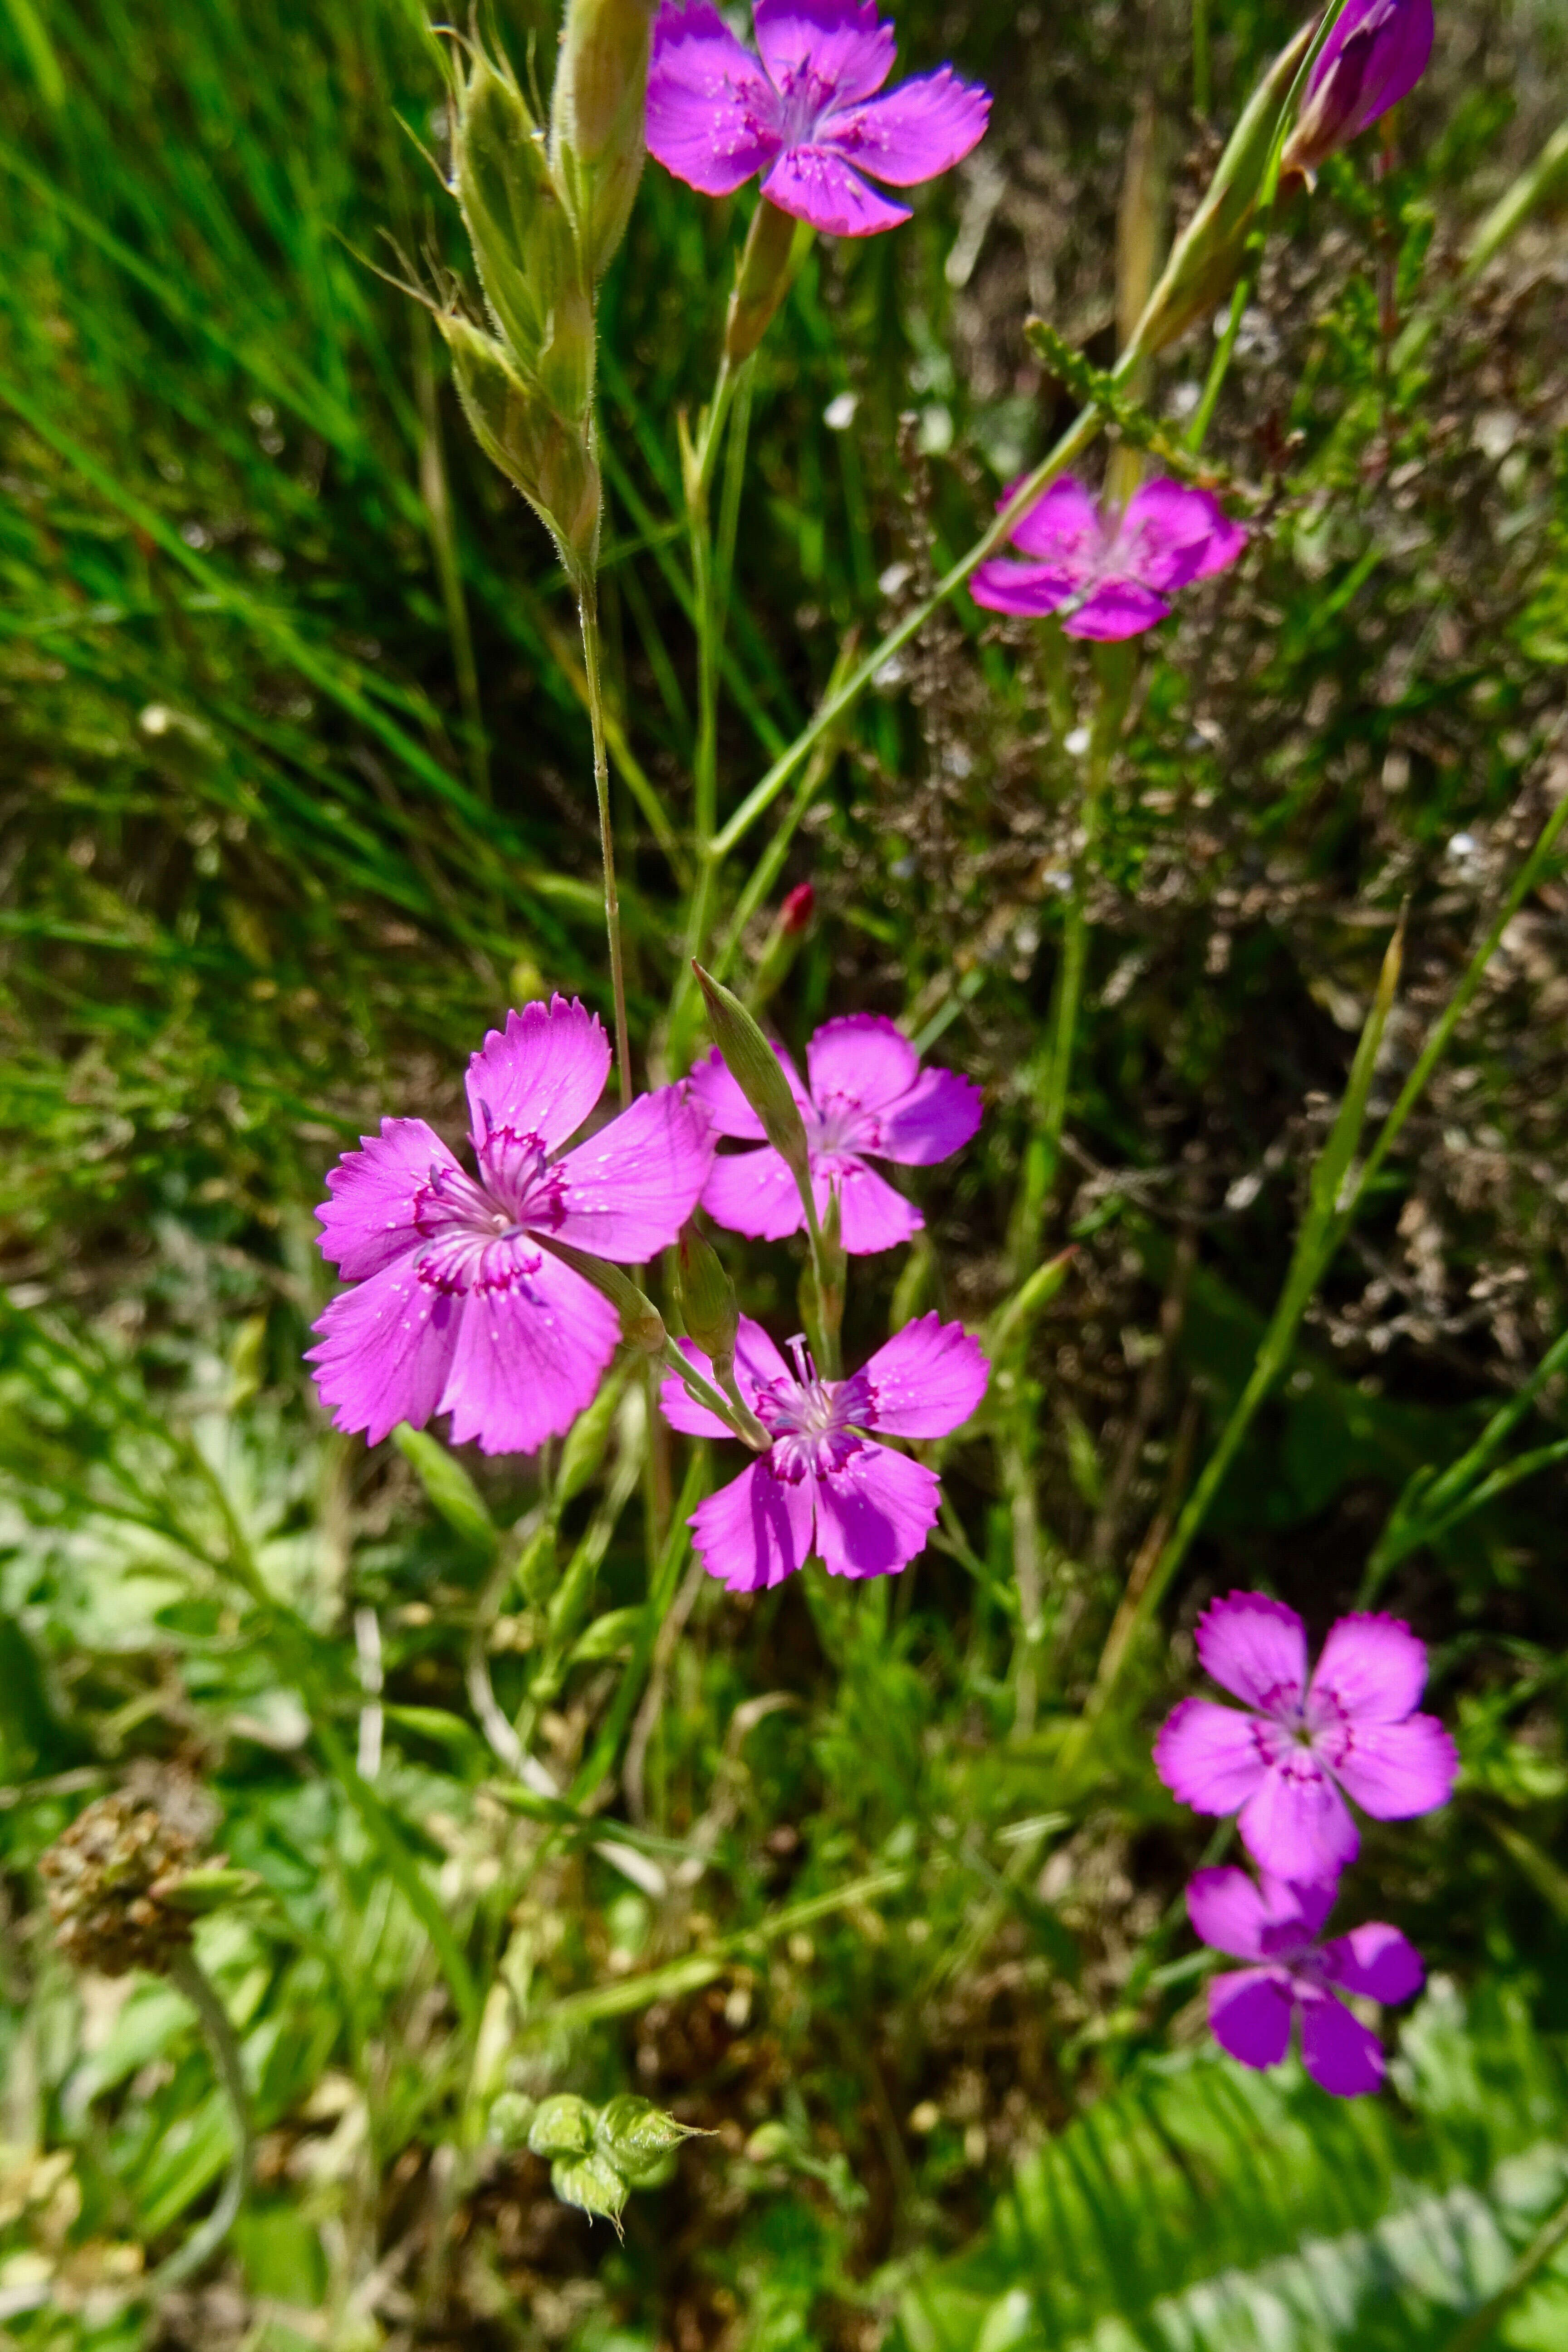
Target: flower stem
pixel 1337 1196
pixel 587 590
pixel 186 1972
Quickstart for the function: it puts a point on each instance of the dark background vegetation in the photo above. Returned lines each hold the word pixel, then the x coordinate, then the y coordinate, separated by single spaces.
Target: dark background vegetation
pixel 295 799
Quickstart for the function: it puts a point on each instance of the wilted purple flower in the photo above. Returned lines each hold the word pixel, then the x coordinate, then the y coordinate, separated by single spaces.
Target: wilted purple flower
pixel 1108 575
pixel 1251 2010
pixel 1284 1764
pixel 868 1096
pixel 1375 55
pixel 455 1307
pixel 804 114
pixel 826 1484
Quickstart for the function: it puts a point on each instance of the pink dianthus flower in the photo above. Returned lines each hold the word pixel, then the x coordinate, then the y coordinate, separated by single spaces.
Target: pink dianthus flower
pixel 457 1306
pixel 1109 575
pixel 1276 1925
pixel 803 112
pixel 826 1483
pixel 1284 1764
pixel 868 1097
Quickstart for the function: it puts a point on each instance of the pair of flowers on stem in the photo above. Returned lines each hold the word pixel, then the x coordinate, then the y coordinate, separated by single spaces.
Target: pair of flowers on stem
pixel 805 114
pixel 494 1298
pixel 1284 1763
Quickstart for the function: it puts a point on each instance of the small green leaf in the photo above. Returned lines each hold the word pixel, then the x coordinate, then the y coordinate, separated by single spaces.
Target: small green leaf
pixel 448 1488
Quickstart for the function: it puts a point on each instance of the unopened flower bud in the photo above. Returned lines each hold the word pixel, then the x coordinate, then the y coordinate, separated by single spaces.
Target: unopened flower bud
pixel 758 1071
pixel 591 2183
pixel 563 2126
pixel 642 1325
pixel 549 461
pixel 636 2136
pixel 510 2117
pixel 708 1302
pixel 1206 258
pixel 597 120
pixel 522 238
pixel 1375 55
pixel 773 251
pixel 799 906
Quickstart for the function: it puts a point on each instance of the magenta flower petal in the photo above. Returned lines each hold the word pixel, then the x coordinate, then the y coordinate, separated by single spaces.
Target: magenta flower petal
pixel 1373 1668
pixel 872 1216
pixel 936 1118
pixel 813 47
pixel 715 118
pixel 922 127
pixel 753 1193
pixel 1249 2014
pixel 1115 610
pixel 755 1531
pixel 1296 1823
pixel 681 1408
pixel 1209 1756
pixel 1338 2051
pixel 628 1189
pixel 1255 1648
pixel 728 1111
pixel 1062 527
pixel 1394 1770
pixel 1375 1959
pixel 1030 589
pixel 1297 1905
pixel 1228 1911
pixel 384 1351
pixel 815 184
pixel 1375 55
pixel 1172 534
pixel 862 1062
pixel 925 1382
pixel 874 1512
pixel 541 1075
pixel 368 1220
pixel 532 1342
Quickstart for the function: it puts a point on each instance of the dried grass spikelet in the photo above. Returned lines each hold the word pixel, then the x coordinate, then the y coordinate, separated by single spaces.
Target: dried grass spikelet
pixel 113 1878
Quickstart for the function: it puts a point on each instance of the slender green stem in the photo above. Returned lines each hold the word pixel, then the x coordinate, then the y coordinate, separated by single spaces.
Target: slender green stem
pixel 186 1972
pixel 1078 437
pixel 1219 366
pixel 1335 1208
pixel 732 1411
pixel 588 614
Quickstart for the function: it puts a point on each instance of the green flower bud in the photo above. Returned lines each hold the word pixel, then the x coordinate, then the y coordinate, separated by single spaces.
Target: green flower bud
pixel 642 1326
pixel 510 2119
pixel 775 247
pixel 523 243
pixel 562 2127
pixel 592 2184
pixel 758 1071
pixel 448 1487
pixel 551 462
pixel 597 120
pixel 1206 258
pixel 708 1301
pixel 636 2136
